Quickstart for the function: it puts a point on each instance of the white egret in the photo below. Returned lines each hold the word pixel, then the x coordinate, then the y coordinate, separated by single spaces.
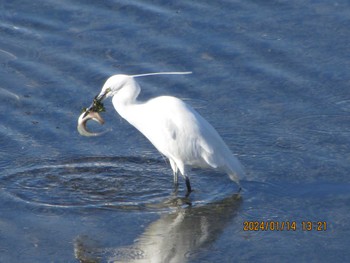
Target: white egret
pixel 172 126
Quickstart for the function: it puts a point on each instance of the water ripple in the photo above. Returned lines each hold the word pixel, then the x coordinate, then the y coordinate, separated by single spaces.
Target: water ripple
pixel 326 124
pixel 125 183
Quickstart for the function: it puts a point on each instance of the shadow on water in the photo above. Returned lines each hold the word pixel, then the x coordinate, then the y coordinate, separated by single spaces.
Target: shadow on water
pixel 175 237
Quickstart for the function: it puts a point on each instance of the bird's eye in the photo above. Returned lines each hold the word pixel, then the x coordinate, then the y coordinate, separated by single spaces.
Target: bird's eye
pixel 108 90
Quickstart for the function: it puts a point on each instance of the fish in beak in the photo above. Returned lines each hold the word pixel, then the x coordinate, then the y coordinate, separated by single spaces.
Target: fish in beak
pixel 91 113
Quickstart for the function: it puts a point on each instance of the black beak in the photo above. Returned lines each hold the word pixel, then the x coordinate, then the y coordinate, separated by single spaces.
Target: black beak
pixel 96 105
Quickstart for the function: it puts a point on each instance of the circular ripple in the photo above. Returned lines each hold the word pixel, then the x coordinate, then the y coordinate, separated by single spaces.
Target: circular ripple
pixel 112 183
pixel 90 182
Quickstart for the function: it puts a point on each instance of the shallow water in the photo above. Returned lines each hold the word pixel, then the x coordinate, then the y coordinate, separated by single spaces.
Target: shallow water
pixel 273 79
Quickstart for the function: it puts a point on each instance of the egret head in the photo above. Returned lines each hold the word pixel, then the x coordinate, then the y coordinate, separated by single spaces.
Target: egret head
pixel 123 88
pixel 113 85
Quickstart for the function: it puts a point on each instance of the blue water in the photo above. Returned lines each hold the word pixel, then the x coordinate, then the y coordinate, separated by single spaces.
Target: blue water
pixel 271 76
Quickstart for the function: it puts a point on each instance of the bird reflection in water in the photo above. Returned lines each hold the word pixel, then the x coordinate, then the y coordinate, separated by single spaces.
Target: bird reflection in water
pixel 174 237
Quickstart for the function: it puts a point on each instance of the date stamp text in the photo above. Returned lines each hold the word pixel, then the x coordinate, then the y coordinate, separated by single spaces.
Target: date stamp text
pixel 284 226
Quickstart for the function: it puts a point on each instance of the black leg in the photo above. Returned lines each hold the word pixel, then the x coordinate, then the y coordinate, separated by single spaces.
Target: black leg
pixel 188 185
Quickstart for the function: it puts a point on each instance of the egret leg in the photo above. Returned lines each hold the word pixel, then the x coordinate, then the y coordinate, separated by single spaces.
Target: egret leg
pixel 182 169
pixel 175 172
pixel 188 185
pixel 176 183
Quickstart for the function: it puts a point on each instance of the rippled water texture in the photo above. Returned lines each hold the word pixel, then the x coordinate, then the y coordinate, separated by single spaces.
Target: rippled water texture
pixel 271 76
pixel 124 183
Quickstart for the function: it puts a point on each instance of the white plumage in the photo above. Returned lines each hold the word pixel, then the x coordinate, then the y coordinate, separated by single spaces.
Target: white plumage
pixel 174 128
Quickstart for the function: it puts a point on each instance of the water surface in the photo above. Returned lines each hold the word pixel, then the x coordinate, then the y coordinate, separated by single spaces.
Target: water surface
pixel 271 76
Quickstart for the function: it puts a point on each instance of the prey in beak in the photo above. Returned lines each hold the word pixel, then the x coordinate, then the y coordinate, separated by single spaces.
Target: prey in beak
pixel 91 113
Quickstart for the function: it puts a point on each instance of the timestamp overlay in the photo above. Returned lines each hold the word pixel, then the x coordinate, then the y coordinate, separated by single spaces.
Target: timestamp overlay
pixel 285 225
